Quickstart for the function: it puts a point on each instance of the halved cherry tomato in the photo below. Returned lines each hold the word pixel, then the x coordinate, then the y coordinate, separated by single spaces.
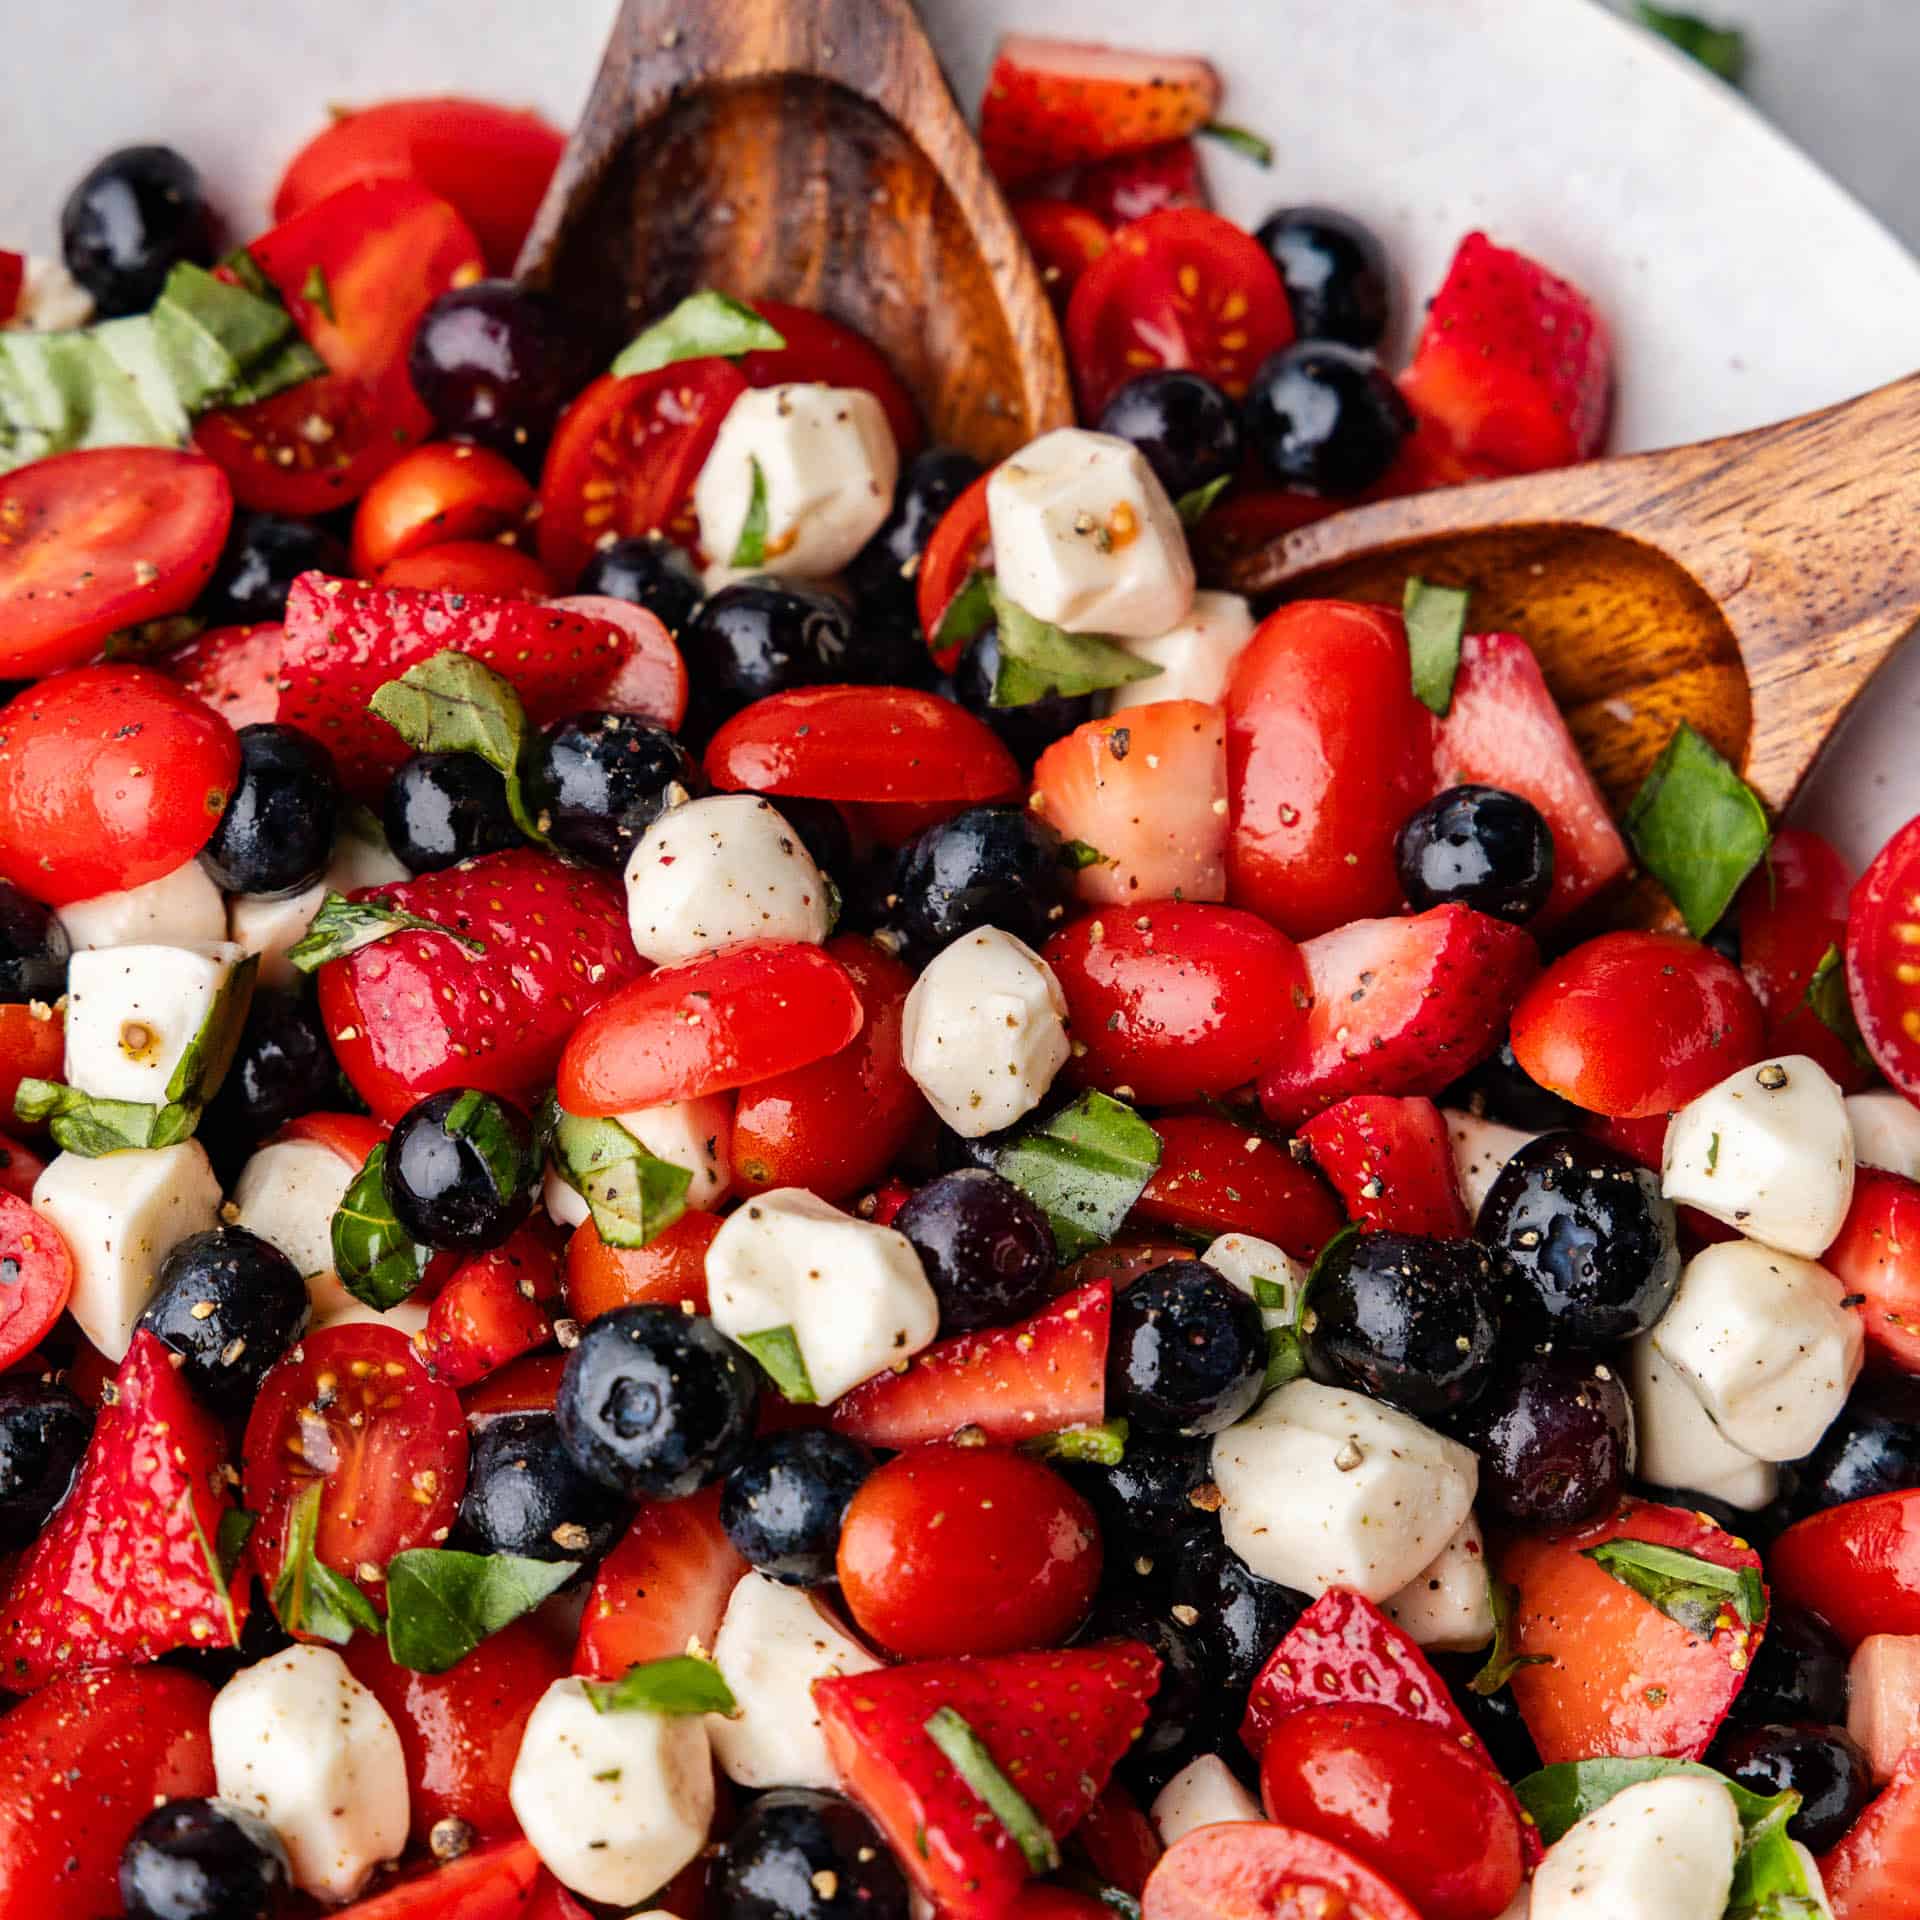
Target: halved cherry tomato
pixel 1181 288
pixel 91 542
pixel 490 1883
pixel 33 1043
pixel 823 349
pixel 351 1405
pixel 235 670
pixel 1876 1257
pixel 436 494
pixel 472 566
pixel 308 449
pixel 669 1271
pixel 351 1135
pixel 1256 1871
pixel 36 1277
pixel 956 550
pixel 20 1167
pixel 529 1385
pixel 1121 1262
pixel 624 458
pixel 652 680
pixel 494 1307
pixel 1120 1840
pixel 1856 1565
pixel 1633 1024
pixel 13 273
pixel 1064 239
pixel 110 776
pixel 1881 938
pixel 1217 1176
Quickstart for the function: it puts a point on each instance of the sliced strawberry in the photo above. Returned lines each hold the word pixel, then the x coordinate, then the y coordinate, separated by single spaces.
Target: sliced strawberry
pixel 1874 1873
pixel 1400 1006
pixel 496 1306
pixel 662 1589
pixel 1036 1376
pixel 1137 184
pixel 128 1568
pixel 1146 792
pixel 1876 1255
pixel 1059 103
pixel 13 276
pixel 235 670
pixel 1392 1163
pixel 1504 729
pixel 1514 363
pixel 1119 1840
pixel 1218 1176
pixel 1055 1724
pixel 652 680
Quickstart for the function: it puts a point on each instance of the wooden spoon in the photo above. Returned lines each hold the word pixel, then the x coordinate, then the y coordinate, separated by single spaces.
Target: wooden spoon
pixel 805 150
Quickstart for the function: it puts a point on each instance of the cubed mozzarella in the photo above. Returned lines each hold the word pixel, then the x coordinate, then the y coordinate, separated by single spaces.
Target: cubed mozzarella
pixel 1204 1793
pixel 269 927
pixel 1767 1344
pixel 121 1215
pixel 1261 1271
pixel 1325 1488
pixel 984 1031
pixel 1679 1446
pixel 1816 1886
pixel 826 466
pixel 566 1205
pixel 288 1193
pixel 853 1293
pixel 51 299
pixel 300 1742
pixel 1520 1907
pixel 1481 1148
pixel 1886 1131
pixel 718 871
pixel 134 1012
pixel 363 860
pixel 1883 1699
pixel 1194 655
pixel 774 1643
pixel 695 1134
pixel 615 1804
pixel 183 908
pixel 1085 537
pixel 1662 1850
pixel 1769 1151
pixel 1447 1604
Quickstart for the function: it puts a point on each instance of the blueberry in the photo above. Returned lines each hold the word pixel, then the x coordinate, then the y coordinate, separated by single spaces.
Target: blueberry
pixel 799 1854
pixel 133 218
pixel 44 1431
pixel 647 571
pixel 986 1248
pixel 759 637
pixel 656 1405
pixel 1187 1352
pixel 265 555
pixel 1185 426
pixel 230 1304
pixel 1500 1088
pixel 1724 938
pixel 33 948
pixel 442 808
pixel 1239 1615
pixel 1338 283
pixel 1872 1447
pixel 1799 1672
pixel 1821 1764
pixel 460 1170
pixel 276 835
pixel 1027 731
pixel 993 866
pixel 1325 419
pixel 1480 846
pixel 1186 1714
pixel 283 1067
pixel 822 828
pixel 1495 1717
pixel 204 1860
pixel 601 779
pixel 883 572
pixel 1156 1493
pixel 1554 1432
pixel 781 1506
pixel 525 1495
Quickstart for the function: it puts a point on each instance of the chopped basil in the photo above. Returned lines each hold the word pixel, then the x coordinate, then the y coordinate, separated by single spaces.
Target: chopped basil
pixel 778 1351
pixel 90 1127
pixel 750 550
pixel 1242 140
pixel 968 613
pixel 1827 995
pixel 1192 507
pixel 1084 1167
pixel 310 1597
pixel 248 271
pixel 480 1119
pixel 1721 50
pixel 1698 828
pixel 1436 620
pixel 704 325
pixel 226 346
pixel 441 1604
pixel 1104 1445
pixel 1286 1359
pixel 682 1683
pixel 344 926
pixel 149 637
pixel 978 1768
pixel 92 387
pixel 210 1052
pixel 236 1529
pixel 213 1555
pixel 315 291
pixel 1502 1663
pixel 1039 660
pixel 632 1195
pixel 372 1253
pixel 1076 854
pixel 1270 1296
pixel 1335 1248
pixel 1684 1587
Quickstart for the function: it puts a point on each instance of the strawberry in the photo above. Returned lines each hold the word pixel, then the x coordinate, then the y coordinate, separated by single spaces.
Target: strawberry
pixel 128 1568
pixel 661 1589
pixel 1514 364
pixel 1055 1724
pixel 495 1307
pixel 1010 1383
pixel 1137 184
pixel 416 1012
pixel 1400 1006
pixel 1504 729
pixel 1874 1873
pixel 1119 1841
pixel 1060 103
pixel 1392 1163
pixel 235 670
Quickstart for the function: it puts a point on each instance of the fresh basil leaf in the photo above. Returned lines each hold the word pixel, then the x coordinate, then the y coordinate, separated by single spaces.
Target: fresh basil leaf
pixel 213 1556
pixel 1684 1587
pixel 250 274
pixel 236 1529
pixel 1076 854
pixel 225 346
pixel 778 1351
pixel 91 387
pixel 309 1596
pixel 1827 995
pixel 1084 1167
pixel 1242 140
pixel 1104 1445
pixel 376 1260
pixel 1698 828
pixel 481 1119
pixel 1286 1359
pixel 969 1757
pixel 704 325
pixel 1334 1249
pixel 1039 660
pixel 89 1127
pixel 344 926
pixel 315 291
pixel 632 1195
pixel 143 641
pixel 968 613
pixel 1436 621
pixel 441 1603
pixel 210 1052
pixel 1721 50
pixel 1558 1796
pixel 1192 507
pixel 682 1683
pixel 1270 1296
pixel 750 550
pixel 1502 1663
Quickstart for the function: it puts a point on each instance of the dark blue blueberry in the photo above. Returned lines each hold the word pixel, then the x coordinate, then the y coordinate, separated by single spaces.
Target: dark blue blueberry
pixel 1499 1088
pixel 276 835
pixel 760 637
pixel 781 1506
pixel 599 780
pixel 1238 1616
pixel 44 1431
pixel 1159 1491
pixel 229 1304
pixel 648 571
pixel 1554 1432
pixel 1189 1710
pixel 460 1170
pixel 204 1860
pixel 1188 1351
pixel 1185 426
pixel 986 1248
pixel 283 1067
pixel 1480 846
pixel 1325 419
pixel 1873 1447
pixel 134 217
pixel 798 1854
pixel 265 555
pixel 995 866
pixel 1799 1672
pixel 883 573
pixel 1335 270
pixel 33 948
pixel 1821 1764
pixel 442 808
pixel 525 1495
pixel 1026 730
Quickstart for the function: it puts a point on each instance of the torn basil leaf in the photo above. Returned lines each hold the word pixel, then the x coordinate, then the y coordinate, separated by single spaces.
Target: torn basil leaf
pixel 750 550
pixel 1192 507
pixel 1039 660
pixel 309 1597
pixel 633 1196
pixel 89 1127
pixel 704 325
pixel 481 1120
pixel 682 1683
pixel 1502 1663
pixel 777 1349
pixel 236 1529
pixel 1721 50
pixel 1436 623
pixel 969 613
pixel 91 387
pixel 210 1052
pixel 1076 854
pixel 1104 1445
pixel 442 1603
pixel 344 926
pixel 1698 828
pixel 1084 1167
pixel 378 1263
pixel 1827 995
pixel 990 1786
pixel 226 346
pixel 1686 1588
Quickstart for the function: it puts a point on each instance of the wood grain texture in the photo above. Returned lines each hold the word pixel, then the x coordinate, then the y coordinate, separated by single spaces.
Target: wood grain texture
pixel 805 150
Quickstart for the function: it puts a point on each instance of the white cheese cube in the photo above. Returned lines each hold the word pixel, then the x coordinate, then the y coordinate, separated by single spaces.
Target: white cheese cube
pixel 1769 1151
pixel 1886 1131
pixel 1194 655
pixel 1679 1446
pixel 1662 1850
pixel 1816 1887
pixel 134 1012
pixel 718 871
pixel 1520 1907
pixel 1883 1699
pixel 827 466
pixel 774 1643
pixel 1481 1148
pixel 1261 1271
pixel 1085 537
pixel 566 1206
pixel 299 1741
pixel 363 860
pixel 51 299
pixel 1325 1488
pixel 984 1031
pixel 121 1215
pixel 695 1134
pixel 1764 1341
pixel 1204 1793
pixel 288 1193
pixel 615 1804
pixel 269 927
pixel 1448 1605
pixel 853 1293
pixel 183 908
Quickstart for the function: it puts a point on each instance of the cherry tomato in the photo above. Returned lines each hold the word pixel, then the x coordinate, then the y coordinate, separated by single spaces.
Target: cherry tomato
pixel 36 1277
pixel 956 550
pixel 1250 1870
pixel 494 1307
pixel 351 1135
pixel 472 566
pixel 13 273
pixel 1123 1261
pixel 309 448
pixel 822 349
pixel 1218 1176
pixel 20 1168
pixel 33 1046
pixel 1637 1023
pixel 652 680
pixel 352 1406
pixel 1882 981
pixel 669 1271
pixel 110 776
pixel 91 542
pixel 955 1550
pixel 1119 1839
pixel 1404 1797
pixel 1064 239
pixel 1876 1257
pixel 1856 1565
pixel 624 457
pixel 235 670
pixel 1181 288
pixel 433 495
pixel 528 1385
pixel 493 1882
pixel 1132 185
